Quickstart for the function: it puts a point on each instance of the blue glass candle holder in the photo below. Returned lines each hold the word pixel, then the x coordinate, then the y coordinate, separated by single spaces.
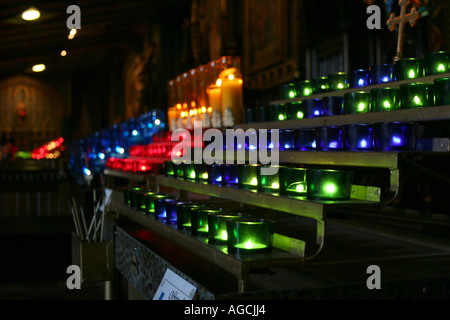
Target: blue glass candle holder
pixel 437 62
pixel 330 139
pixel 279 112
pixel 320 85
pixel 359 137
pixel 150 200
pixel 385 99
pixel 161 207
pixel 416 95
pixel 250 236
pixel 294 110
pixel 305 139
pixel 395 136
pixel 382 73
pixel 251 140
pixel 359 78
pixel 248 176
pixel 286 140
pixel 442 91
pixel 217 226
pixel 289 91
pixel 357 102
pixel 409 68
pixel 292 181
pixel 312 108
pixel 215 173
pixel 333 105
pixel 250 115
pixel 184 214
pixel 326 184
pixel 172 211
pixel 304 88
pixel 338 81
pixel 230 175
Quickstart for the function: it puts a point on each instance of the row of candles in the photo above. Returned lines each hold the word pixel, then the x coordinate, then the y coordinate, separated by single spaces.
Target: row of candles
pixel 311 184
pixel 407 96
pixel 211 93
pixel 404 69
pixel 241 233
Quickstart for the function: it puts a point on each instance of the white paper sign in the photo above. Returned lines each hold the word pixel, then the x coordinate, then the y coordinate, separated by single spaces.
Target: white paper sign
pixel 173 287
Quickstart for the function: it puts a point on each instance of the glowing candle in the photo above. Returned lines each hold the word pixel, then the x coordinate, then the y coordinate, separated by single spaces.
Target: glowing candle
pixel 289 91
pixel 217 226
pixel 279 112
pixel 160 204
pixel 169 168
pixel 359 78
pixel 416 95
pixel 292 181
pixel 382 73
pixel 330 138
pixel 215 174
pixel 189 171
pixel 150 200
pixel 357 102
pixel 201 172
pixel 385 99
pixel 325 184
pixel 359 137
pixel 269 183
pixel 250 235
pixel 199 220
pixel 304 88
pixel 437 62
pixel 409 68
pixel 215 103
pixel 184 214
pixel 232 97
pixel 395 136
pixel 248 176
pixel 294 110
pixel 312 108
pixel 320 85
pixel 305 139
pixel 338 81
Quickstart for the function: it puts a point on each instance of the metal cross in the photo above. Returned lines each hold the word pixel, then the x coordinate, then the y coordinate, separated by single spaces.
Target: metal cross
pixel 393 21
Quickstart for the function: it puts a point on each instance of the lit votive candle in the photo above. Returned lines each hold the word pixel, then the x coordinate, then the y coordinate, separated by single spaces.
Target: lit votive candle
pixel 269 183
pixel 161 207
pixel 215 174
pixel 416 95
pixel 288 91
pixel 189 171
pixel 217 226
pixel 442 91
pixel 382 73
pixel 312 108
pixel 395 136
pixel 184 214
pixel 199 220
pixel 359 137
pixel 326 184
pixel 333 105
pixel 292 181
pixel 179 170
pixel 359 78
pixel 150 202
pixel 305 139
pixel 304 88
pixel 294 110
pixel 279 112
pixel 248 176
pixel 320 85
pixel 437 62
pixel 230 175
pixel 409 68
pixel 330 139
pixel 357 102
pixel 385 99
pixel 201 172
pixel 250 235
pixel 338 81
pixel 286 140
pixel 169 168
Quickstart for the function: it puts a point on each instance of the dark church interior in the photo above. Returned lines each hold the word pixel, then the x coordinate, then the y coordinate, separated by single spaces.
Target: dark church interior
pixel 135 137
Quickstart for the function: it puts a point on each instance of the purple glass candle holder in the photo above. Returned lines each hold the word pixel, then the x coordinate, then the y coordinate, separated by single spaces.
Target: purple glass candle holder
pixel 305 139
pixel 359 137
pixel 286 140
pixel 312 108
pixel 330 139
pixel 382 73
pixel 359 78
pixel 230 175
pixel 395 136
pixel 333 105
pixel 215 173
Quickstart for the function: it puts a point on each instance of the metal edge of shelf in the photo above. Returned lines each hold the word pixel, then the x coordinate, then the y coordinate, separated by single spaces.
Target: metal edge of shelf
pixel 391 84
pixel 433 113
pixel 235 266
pixel 127 175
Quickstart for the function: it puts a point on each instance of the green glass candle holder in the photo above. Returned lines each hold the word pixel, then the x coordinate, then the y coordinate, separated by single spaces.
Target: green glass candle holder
pixel 294 110
pixel 184 214
pixel 169 168
pixel 179 170
pixel 437 62
pixel 416 95
pixel 326 184
pixel 289 91
pixel 201 172
pixel 189 171
pixel 304 88
pixel 217 226
pixel 150 202
pixel 409 68
pixel 129 198
pixel 141 194
pixel 442 91
pixel 385 99
pixel 338 81
pixel 357 102
pixel 269 183
pixel 279 112
pixel 199 220
pixel 320 85
pixel 292 182
pixel 250 235
pixel 248 176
